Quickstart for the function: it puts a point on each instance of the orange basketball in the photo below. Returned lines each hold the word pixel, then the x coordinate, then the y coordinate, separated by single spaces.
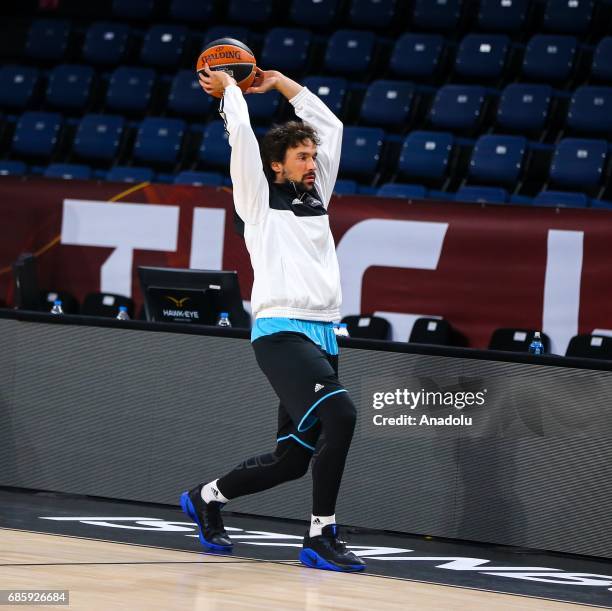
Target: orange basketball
pixel 231 56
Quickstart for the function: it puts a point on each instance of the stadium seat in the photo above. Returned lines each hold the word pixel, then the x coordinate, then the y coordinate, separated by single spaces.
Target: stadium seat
pixel 159 140
pixel 48 39
pixel 349 52
pixel 524 107
pixel 286 49
pixel 68 171
pixel 436 15
pixel 590 347
pixel 457 107
pixel 70 86
pixel 601 68
pixel 368 327
pixel 17 86
pixel 361 149
pixel 98 136
pixel 133 9
pixel 186 96
pixel 198 179
pixel 601 204
pixel 12 168
pixel 568 16
pixel 331 89
pixel 129 174
pixel 250 11
pixel 106 43
pixel 36 133
pixel 313 13
pixel 431 331
pixel 130 89
pixel 549 58
pixel 263 107
pixel 402 190
pixel 578 163
pixel 342 187
pixel 482 56
pixel 371 13
pixel 477 194
pixel 238 32
pixel 215 149
pixel 502 15
pixel 106 305
pixel 163 45
pixel 191 12
pixel 416 55
pixel 561 199
pixel 387 103
pixel 497 159
pixel 516 340
pixel 426 155
pixel 590 111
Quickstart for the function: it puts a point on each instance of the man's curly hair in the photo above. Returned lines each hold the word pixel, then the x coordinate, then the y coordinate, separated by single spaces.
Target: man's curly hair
pixel 279 138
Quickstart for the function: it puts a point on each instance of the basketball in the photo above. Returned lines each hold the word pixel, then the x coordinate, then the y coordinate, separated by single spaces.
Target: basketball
pixel 231 56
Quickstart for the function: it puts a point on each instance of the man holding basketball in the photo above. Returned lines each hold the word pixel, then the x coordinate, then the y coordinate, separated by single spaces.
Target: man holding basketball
pixel 296 295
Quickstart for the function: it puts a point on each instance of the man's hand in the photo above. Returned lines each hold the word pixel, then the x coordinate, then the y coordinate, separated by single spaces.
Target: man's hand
pixel 214 82
pixel 265 80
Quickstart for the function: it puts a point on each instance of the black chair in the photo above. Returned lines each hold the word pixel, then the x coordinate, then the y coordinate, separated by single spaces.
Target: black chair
pixel 106 305
pixel 368 327
pixel 431 331
pixel 590 347
pixel 70 305
pixel 516 340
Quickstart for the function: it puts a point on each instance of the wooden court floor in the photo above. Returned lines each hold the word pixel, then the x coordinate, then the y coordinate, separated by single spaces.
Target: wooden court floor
pixel 105 576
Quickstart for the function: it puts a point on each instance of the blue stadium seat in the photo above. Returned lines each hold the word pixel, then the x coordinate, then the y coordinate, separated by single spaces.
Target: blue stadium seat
pixel 426 154
pixel 549 58
pixel 263 106
pixel 436 15
pixel 159 140
pixel 98 136
pixel 502 15
pixel 106 43
pixel 387 103
pixel 190 11
pixel 490 195
pixel 238 32
pixel 215 149
pixel 497 159
pixel 371 13
pixel 130 89
pixel 163 45
pixel 286 48
pixel 313 12
pixel 457 107
pixel 331 89
pixel 129 174
pixel 590 111
pixel 12 168
pixel 68 171
pixel 568 16
pixel 601 68
pixel 417 55
pixel 482 55
pixel 342 187
pixel 198 179
pixel 349 51
pixel 524 107
pixel 186 96
pixel 561 199
pixel 133 9
pixel 578 163
pixel 48 39
pixel 361 149
pixel 250 11
pixel 602 204
pixel 70 86
pixel 17 85
pixel 37 133
pixel 402 190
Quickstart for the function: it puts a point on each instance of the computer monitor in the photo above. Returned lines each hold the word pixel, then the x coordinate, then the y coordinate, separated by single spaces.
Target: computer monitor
pixel 195 296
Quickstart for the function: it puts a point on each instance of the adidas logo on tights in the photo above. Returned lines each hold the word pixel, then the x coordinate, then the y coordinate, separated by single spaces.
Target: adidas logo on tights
pixel 318 387
pixel 317 521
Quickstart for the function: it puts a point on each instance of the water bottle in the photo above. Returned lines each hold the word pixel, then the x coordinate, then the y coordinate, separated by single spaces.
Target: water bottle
pixel 536 346
pixel 57 307
pixel 342 330
pixel 123 313
pixel 224 320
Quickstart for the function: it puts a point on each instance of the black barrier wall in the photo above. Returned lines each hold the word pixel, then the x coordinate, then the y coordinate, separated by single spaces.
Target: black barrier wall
pixel 503 452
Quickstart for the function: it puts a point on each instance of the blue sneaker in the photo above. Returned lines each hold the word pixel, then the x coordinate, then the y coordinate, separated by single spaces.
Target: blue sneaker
pixel 328 552
pixel 208 518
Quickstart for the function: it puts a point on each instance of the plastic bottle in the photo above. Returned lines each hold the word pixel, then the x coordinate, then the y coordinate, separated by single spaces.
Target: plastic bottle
pixel 123 313
pixel 536 346
pixel 224 320
pixel 57 307
pixel 342 330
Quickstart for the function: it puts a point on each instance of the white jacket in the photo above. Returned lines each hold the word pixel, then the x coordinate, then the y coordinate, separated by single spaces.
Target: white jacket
pixel 296 273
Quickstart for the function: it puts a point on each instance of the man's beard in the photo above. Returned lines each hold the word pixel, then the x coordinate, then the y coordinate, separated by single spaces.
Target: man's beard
pixel 299 185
